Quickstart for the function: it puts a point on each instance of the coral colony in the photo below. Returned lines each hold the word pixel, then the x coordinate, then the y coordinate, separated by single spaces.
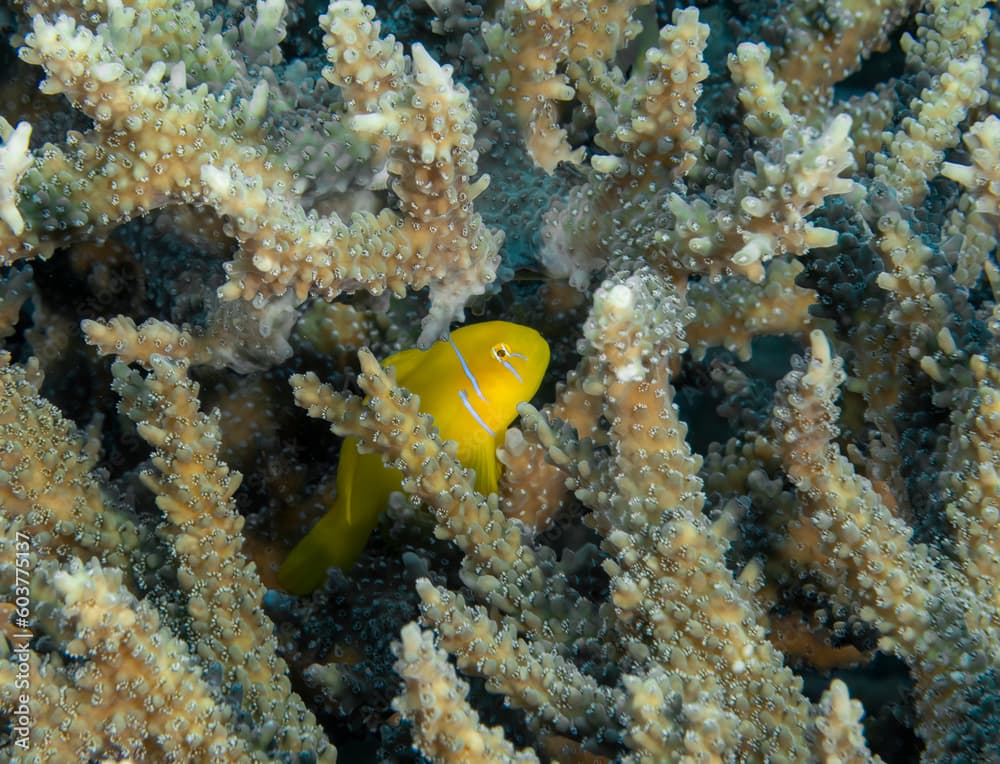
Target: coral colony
pixel 752 512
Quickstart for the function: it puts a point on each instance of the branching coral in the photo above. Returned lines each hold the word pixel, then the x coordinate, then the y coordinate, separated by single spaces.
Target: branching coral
pixel 864 557
pixel 654 581
pixel 194 489
pixel 158 141
pixel 680 616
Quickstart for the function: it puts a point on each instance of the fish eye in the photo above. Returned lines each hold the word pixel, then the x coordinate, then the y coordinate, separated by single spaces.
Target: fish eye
pixel 500 352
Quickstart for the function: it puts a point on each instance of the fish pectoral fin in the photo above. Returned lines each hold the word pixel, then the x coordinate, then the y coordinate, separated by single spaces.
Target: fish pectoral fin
pixel 480 454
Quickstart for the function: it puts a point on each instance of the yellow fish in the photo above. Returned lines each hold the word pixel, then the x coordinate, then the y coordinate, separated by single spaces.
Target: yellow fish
pixel 471 384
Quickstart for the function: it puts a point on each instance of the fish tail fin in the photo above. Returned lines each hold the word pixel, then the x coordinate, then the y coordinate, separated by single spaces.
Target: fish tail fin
pixel 333 542
pixel 339 538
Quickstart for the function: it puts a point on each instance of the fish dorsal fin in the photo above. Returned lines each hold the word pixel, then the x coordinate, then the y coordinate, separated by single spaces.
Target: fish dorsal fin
pixel 346 470
pixel 404 363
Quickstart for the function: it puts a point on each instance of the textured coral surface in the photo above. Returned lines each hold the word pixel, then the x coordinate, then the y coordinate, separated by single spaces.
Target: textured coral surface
pixel 753 514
